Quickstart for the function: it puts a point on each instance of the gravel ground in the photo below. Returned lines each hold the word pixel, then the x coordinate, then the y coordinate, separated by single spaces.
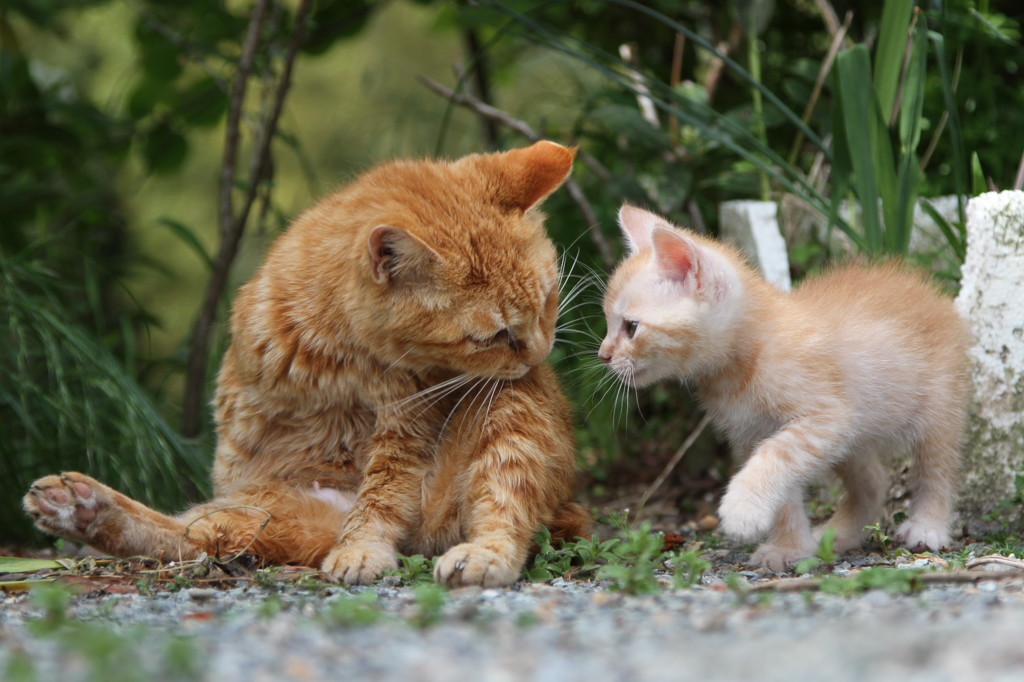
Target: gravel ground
pixel 560 631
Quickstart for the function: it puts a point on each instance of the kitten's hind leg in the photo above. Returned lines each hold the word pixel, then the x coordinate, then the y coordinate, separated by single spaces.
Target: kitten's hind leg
pixel 864 481
pixel 790 540
pixel 80 508
pixel 933 488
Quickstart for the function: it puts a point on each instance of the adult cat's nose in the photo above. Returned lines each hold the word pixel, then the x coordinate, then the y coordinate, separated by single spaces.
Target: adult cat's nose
pixel 606 359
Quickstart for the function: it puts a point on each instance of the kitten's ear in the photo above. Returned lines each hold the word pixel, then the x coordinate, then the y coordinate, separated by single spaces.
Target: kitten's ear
pixel 637 225
pixel 534 172
pixel 677 257
pixel 397 255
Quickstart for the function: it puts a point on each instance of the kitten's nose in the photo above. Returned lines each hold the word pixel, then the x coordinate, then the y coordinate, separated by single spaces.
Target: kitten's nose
pixel 604 358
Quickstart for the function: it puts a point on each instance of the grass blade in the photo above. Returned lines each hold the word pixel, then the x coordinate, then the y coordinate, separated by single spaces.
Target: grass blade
pixel 954 234
pixel 189 238
pixel 853 69
pixel 909 174
pixel 955 131
pixel 978 183
pixel 892 38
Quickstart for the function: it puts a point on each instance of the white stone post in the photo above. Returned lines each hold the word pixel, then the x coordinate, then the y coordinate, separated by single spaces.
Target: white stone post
pixel 992 300
pixel 753 226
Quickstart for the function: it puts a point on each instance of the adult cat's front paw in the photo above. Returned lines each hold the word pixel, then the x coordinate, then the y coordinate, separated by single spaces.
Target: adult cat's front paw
pixel 741 519
pixel 67 504
pixel 470 564
pixel 360 564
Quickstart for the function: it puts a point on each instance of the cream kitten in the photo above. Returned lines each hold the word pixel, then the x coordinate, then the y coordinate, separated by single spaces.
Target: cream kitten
pixel 860 362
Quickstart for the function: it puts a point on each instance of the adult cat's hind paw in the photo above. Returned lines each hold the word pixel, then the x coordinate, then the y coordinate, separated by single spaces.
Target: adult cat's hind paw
pixel 471 564
pixel 66 505
pixel 917 536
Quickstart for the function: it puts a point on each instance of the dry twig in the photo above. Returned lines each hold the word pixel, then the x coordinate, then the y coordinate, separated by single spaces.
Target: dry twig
pixel 936 578
pixel 677 457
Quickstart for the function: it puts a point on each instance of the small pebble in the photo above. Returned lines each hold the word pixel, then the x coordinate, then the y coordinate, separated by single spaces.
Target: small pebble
pixel 708 522
pixel 202 593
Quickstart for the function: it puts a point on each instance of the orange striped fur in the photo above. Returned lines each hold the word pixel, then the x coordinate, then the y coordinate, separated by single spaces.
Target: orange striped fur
pixel 386 388
pixel 858 363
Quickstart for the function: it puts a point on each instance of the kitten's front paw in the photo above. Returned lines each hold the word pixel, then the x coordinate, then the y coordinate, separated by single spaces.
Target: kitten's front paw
pixel 66 504
pixel 359 564
pixel 779 558
pixel 742 520
pixel 917 536
pixel 470 564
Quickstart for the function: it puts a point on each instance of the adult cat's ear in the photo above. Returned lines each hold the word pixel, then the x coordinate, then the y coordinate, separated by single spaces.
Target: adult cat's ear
pixel 534 172
pixel 637 225
pixel 397 255
pixel 678 258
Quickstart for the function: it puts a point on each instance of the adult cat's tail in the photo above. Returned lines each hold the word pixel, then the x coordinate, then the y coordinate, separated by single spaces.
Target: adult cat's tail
pixel 571 521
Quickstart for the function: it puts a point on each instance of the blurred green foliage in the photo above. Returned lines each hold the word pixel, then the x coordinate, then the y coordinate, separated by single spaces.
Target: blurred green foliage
pixel 734 113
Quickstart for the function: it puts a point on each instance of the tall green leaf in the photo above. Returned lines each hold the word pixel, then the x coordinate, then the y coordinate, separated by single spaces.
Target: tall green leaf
pixel 892 39
pixel 909 135
pixel 955 132
pixel 853 67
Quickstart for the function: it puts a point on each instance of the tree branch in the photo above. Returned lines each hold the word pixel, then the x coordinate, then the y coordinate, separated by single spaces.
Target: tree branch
pixel 232 226
pixel 481 82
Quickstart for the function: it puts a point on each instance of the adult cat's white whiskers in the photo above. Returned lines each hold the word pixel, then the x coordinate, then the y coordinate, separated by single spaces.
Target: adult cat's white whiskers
pixel 565 308
pixel 573 329
pixel 484 408
pixel 563 259
pixel 577 289
pixel 474 390
pixel 398 360
pixel 436 392
pixel 597 279
pixel 584 353
pixel 490 398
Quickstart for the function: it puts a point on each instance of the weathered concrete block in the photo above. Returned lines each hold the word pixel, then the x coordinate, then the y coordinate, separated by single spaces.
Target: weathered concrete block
pixel 992 299
pixel 753 227
pixel 928 245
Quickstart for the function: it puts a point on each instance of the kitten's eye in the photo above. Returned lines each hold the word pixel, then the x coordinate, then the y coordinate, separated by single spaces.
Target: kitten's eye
pixel 629 328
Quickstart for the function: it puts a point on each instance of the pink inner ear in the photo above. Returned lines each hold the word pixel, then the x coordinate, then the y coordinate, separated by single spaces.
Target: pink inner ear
pixel 380 251
pixel 676 255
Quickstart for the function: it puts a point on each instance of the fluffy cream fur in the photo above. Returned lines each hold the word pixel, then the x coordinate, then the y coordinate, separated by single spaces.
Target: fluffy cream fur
pixel 861 362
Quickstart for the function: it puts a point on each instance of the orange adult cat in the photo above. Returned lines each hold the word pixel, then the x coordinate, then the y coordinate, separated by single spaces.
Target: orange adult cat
pixel 860 362
pixel 385 390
